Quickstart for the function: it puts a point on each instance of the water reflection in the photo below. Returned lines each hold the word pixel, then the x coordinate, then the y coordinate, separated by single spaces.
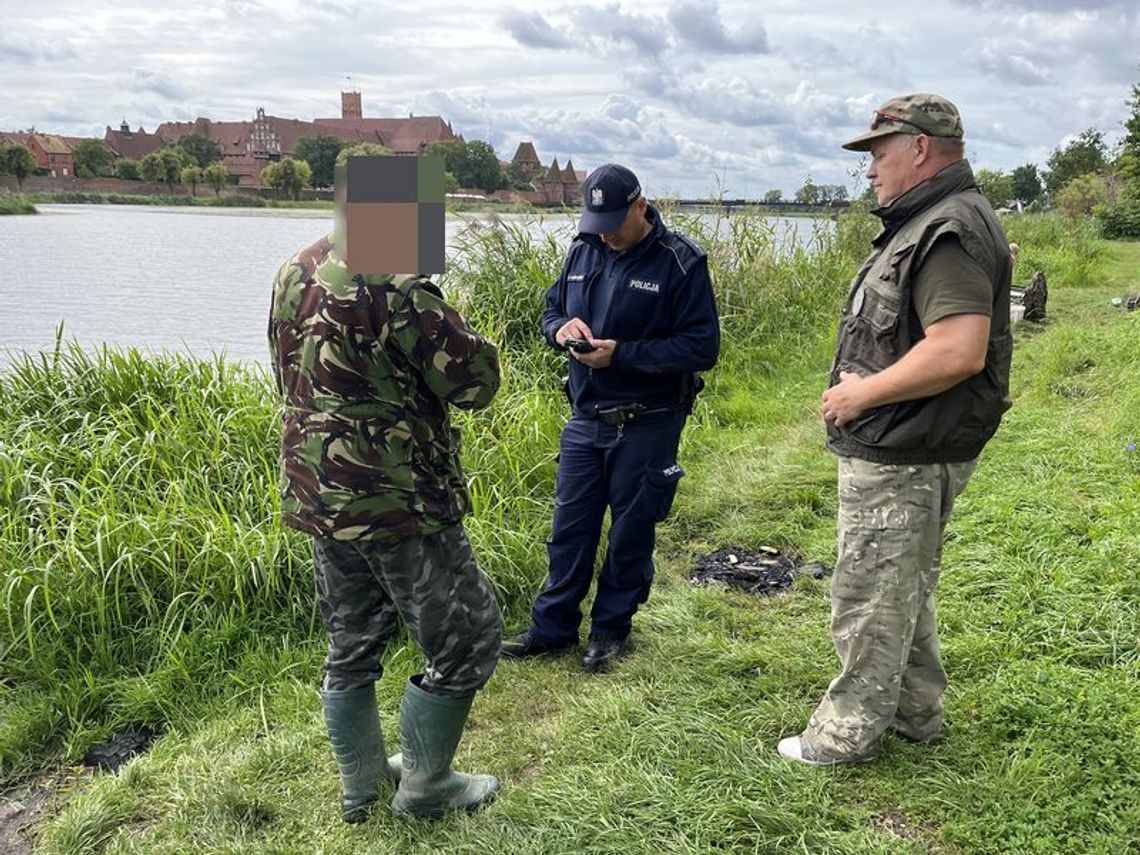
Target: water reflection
pixel 188 279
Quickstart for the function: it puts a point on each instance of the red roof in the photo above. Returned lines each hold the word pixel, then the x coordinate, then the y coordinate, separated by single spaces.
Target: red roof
pixel 135 145
pixel 72 142
pixel 525 153
pixel 50 143
pixel 403 136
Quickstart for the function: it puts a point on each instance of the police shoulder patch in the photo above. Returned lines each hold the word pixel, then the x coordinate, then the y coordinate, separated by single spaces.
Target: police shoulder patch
pixel 690 244
pixel 687 251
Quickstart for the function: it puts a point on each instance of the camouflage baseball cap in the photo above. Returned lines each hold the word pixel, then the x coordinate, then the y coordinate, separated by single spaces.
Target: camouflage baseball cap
pixel 923 113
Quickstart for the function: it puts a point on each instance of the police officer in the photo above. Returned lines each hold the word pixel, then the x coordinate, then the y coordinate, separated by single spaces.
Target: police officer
pixel 634 309
pixel 918 386
pixel 368 366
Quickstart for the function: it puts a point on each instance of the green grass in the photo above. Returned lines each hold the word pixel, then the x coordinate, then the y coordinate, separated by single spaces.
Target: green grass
pixel 1066 249
pixel 146 579
pixel 14 203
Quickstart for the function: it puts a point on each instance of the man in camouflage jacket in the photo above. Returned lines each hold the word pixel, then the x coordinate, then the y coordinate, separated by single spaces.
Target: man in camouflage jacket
pixel 368 366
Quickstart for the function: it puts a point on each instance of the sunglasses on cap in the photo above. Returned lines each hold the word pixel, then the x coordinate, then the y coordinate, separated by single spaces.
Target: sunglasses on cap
pixel 881 118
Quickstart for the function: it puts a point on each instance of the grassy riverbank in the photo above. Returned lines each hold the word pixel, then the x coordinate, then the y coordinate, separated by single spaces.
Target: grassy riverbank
pixel 14 203
pixel 240 200
pixel 145 579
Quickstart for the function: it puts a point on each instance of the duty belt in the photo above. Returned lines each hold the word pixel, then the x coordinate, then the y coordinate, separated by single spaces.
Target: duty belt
pixel 623 415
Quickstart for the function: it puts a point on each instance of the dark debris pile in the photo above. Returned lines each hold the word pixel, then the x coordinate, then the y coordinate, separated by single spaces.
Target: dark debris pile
pixel 761 573
pixel 122 746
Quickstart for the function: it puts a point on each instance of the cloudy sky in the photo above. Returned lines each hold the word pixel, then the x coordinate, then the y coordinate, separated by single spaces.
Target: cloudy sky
pixel 695 95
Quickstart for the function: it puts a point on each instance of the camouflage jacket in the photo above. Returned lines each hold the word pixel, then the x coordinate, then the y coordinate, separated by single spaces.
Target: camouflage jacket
pixel 367 366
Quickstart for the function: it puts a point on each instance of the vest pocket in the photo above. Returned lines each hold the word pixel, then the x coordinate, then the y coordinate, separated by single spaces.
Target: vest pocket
pixel 879 306
pixel 871 425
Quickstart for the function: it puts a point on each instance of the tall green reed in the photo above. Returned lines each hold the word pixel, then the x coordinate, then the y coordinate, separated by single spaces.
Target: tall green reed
pixel 1067 250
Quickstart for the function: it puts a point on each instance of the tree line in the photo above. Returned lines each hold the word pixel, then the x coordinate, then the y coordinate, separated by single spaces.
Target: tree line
pixel 195 160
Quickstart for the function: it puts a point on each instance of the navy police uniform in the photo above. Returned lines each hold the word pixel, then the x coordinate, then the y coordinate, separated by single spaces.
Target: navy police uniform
pixel 619 448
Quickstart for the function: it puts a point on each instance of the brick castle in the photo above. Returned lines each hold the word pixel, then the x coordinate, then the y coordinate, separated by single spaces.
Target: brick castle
pixel 248 146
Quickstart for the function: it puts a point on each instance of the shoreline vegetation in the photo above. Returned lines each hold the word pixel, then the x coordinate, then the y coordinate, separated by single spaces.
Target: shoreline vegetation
pixel 243 200
pixel 145 579
pixel 16 203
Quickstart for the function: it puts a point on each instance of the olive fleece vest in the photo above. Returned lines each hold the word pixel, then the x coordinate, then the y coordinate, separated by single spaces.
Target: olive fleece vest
pixel 879 326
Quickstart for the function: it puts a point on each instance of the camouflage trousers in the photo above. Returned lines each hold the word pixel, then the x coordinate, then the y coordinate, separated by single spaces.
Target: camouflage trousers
pixel 891 519
pixel 433 584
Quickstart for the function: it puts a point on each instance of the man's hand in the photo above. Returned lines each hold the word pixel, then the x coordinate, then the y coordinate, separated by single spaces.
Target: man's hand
pixel 601 356
pixel 954 348
pixel 845 401
pixel 573 328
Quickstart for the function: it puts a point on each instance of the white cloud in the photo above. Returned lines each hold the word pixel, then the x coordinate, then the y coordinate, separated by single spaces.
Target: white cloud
pixel 532 30
pixel 681 89
pixel 697 23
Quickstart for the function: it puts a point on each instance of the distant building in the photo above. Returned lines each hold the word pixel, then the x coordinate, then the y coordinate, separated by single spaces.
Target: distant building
pixel 552 186
pixel 133 145
pixel 51 154
pixel 350 106
pixel 402 136
pixel 248 147
pixel 560 186
pixel 14 137
pixel 526 157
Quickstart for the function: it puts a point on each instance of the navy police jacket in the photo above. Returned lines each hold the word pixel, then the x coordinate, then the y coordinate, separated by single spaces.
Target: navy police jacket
pixel 662 315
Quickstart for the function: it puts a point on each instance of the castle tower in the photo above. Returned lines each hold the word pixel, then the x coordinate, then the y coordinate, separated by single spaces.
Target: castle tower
pixel 350 106
pixel 263 140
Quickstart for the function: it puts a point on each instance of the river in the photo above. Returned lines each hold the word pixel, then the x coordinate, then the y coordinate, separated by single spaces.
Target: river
pixel 195 280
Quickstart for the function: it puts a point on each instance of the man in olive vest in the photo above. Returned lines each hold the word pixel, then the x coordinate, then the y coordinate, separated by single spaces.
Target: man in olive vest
pixel 369 365
pixel 918 386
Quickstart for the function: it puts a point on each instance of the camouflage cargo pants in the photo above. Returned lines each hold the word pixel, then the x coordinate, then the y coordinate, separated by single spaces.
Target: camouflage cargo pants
pixel 891 519
pixel 433 584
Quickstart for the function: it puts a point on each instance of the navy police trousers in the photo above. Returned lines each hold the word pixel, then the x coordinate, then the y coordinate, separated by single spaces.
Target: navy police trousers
pixel 633 470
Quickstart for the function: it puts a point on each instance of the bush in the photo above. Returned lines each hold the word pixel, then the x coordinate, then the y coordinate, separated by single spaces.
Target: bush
pixel 1081 195
pixel 14 203
pixel 239 200
pixel 1121 220
pixel 127 169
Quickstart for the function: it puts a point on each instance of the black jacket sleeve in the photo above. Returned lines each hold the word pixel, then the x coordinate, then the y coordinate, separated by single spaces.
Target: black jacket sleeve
pixel 554 315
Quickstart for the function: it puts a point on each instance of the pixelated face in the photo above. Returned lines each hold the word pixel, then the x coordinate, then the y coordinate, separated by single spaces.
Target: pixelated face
pixel 389 214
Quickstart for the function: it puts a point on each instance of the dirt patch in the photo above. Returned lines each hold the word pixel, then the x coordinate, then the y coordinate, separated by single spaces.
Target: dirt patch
pixel 22 808
pixel 762 573
pixel 893 820
pixel 529 771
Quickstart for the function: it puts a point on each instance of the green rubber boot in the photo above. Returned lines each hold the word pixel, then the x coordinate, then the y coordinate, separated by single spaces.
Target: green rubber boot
pixel 358 745
pixel 430 727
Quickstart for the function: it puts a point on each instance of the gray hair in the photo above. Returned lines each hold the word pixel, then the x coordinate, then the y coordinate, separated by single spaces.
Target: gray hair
pixel 953 148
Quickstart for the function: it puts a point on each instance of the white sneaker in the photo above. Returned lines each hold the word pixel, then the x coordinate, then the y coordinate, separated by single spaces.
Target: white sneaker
pixel 795 748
